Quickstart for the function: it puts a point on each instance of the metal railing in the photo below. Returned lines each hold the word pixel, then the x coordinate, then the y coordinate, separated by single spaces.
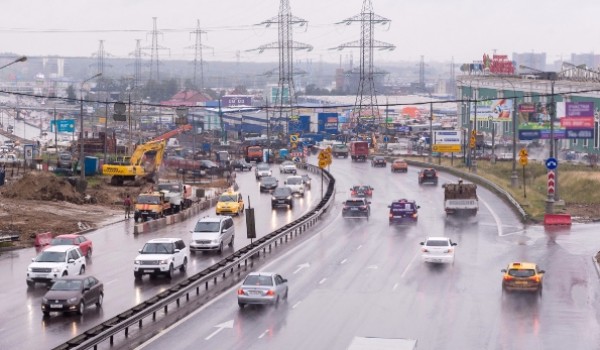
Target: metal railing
pixel 185 290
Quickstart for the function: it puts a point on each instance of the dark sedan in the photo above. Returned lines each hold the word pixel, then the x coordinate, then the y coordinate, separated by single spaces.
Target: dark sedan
pixel 378 161
pixel 282 196
pixel 73 294
pixel 268 183
pixel 241 164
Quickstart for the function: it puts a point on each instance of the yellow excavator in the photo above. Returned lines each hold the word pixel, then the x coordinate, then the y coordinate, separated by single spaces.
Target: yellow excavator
pixel 143 164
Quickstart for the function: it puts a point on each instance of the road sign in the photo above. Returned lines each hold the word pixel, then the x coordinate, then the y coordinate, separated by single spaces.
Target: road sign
pixel 296 159
pixel 293 138
pixel 551 163
pixel 523 161
pixel 386 139
pixel 322 164
pixel 324 156
pixel 445 148
pixel 472 142
pixel 551 182
pixel 523 152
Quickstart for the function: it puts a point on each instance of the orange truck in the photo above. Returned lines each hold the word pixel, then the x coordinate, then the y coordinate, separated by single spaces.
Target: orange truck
pixel 253 153
pixel 153 205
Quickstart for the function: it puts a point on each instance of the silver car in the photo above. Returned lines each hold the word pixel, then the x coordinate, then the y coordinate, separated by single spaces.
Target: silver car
pixel 262 288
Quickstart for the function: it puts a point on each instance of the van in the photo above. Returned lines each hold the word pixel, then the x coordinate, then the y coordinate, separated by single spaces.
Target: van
pixel 212 234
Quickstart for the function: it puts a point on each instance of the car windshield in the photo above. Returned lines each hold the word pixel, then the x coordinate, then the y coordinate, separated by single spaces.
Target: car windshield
pixel 168 187
pixel 521 272
pixel 437 243
pixel 258 280
pixel 429 173
pixel 148 200
pixel 282 191
pixel 228 198
pixel 64 285
pixel 288 164
pixel 362 188
pixel 268 180
pixel 294 181
pixel 62 241
pixel 354 203
pixel 203 226
pixel 262 167
pixel 51 257
pixel 403 207
pixel 157 248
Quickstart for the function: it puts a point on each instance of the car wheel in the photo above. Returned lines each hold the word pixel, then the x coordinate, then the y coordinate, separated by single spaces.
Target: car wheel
pixel 100 300
pixel 285 296
pixel 183 266
pixel 241 305
pixel 82 270
pixel 81 308
pixel 137 275
pixel 276 303
pixel 30 284
pixel 89 253
pixel 65 274
pixel 170 271
pixel 231 242
pixel 46 313
pixel 220 250
pixel 540 292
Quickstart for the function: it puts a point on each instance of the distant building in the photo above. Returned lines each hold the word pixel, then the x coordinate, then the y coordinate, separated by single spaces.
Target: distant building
pixel 188 98
pixel 530 59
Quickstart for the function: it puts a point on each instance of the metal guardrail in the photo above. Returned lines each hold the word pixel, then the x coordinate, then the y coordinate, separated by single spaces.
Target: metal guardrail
pixel 184 290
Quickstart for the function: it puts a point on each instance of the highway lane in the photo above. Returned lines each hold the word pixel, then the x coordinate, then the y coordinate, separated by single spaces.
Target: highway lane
pixel 115 247
pixel 366 279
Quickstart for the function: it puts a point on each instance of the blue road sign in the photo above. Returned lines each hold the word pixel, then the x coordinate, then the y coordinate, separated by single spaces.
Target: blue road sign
pixel 296 159
pixel 386 139
pixel 551 163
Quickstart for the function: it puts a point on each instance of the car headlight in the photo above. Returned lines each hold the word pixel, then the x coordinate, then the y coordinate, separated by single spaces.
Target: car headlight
pixel 164 261
pixel 215 241
pixel 56 269
pixel 288 197
pixel 136 262
pixel 72 300
pixel 273 198
pixel 29 269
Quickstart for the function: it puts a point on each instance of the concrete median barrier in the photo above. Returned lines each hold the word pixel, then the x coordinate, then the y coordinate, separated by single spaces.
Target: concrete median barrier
pixel 183 215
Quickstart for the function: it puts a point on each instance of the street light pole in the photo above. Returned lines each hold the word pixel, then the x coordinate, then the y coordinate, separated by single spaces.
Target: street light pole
pixel 20 59
pixel 430 131
pixel 81 139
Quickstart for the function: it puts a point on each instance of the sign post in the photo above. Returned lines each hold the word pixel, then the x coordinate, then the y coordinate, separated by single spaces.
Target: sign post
pixel 524 160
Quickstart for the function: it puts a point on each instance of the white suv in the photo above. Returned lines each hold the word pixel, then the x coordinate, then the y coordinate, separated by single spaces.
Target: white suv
pixel 212 233
pixel 161 256
pixel 296 184
pixel 55 262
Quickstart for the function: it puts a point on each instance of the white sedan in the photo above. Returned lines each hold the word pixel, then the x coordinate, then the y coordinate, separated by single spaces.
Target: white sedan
pixel 438 250
pixel 287 167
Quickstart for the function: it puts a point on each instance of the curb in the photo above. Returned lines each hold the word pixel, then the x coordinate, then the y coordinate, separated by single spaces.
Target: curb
pixel 596 265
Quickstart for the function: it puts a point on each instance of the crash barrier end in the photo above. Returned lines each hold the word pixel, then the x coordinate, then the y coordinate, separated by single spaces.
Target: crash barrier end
pixel 42 239
pixel 557 219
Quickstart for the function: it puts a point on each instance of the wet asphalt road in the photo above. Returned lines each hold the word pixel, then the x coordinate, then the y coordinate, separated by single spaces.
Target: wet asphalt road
pixel 22 325
pixel 366 279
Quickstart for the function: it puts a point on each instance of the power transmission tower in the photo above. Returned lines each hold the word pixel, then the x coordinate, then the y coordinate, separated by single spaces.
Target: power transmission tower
pixel 137 64
pixel 154 49
pixel 286 46
pixel 422 73
pixel 366 96
pixel 198 61
pixel 100 55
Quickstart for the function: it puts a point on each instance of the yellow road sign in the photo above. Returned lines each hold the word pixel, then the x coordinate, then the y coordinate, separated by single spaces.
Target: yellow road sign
pixel 523 152
pixel 323 164
pixel 523 161
pixel 445 148
pixel 472 143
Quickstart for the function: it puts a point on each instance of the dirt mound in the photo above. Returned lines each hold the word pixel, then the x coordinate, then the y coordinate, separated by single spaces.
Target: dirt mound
pixel 43 186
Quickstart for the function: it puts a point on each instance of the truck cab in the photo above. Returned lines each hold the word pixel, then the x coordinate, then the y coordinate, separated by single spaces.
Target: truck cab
pixel 153 205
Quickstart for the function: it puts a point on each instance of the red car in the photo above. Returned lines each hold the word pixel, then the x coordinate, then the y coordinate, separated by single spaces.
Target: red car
pixel 361 191
pixel 85 245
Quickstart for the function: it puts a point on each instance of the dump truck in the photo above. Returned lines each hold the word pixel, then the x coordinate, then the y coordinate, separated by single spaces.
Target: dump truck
pixel 152 205
pixel 253 153
pixel 460 198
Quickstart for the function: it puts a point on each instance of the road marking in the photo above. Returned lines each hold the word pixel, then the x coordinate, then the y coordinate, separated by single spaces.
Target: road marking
pixel 110 282
pixel 263 334
pixel 220 327
pixel 322 281
pixel 395 286
pixel 236 286
pixel 408 266
pixel 360 246
pixel 301 267
pixel 343 261
pixel 296 305
pixel 495 216
pixel 372 267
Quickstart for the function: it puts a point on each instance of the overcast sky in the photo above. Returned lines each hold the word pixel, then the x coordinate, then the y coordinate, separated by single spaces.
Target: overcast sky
pixel 437 29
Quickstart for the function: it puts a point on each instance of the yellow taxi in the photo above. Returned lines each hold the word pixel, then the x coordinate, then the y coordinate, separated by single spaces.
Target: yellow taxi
pixel 524 276
pixel 230 203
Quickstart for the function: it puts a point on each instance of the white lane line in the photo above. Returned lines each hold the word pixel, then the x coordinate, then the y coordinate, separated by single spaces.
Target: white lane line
pixel 343 261
pixel 408 266
pixel 263 334
pixel 296 305
pixel 395 286
pixel 110 282
pixel 235 287
pixel 322 281
pixel 360 246
pixel 495 216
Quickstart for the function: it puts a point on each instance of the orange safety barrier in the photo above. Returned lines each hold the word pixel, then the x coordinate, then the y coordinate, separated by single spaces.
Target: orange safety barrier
pixel 42 239
pixel 557 219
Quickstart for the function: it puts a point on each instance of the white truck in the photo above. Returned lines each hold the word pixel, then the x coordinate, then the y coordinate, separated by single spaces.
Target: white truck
pixel 460 198
pixel 173 192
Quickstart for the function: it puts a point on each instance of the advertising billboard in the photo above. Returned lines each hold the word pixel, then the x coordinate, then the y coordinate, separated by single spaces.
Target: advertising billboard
pixel 328 123
pixel 573 120
pixel 492 110
pixel 236 101
pixel 299 124
pixel 64 125
pixel 447 141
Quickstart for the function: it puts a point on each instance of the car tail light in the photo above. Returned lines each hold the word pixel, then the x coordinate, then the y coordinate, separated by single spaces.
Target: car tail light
pixel 508 278
pixel 363 207
pixel 241 291
pixel 391 215
pixel 449 250
pixel 424 250
pixel 414 215
pixel 536 279
pixel 270 292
